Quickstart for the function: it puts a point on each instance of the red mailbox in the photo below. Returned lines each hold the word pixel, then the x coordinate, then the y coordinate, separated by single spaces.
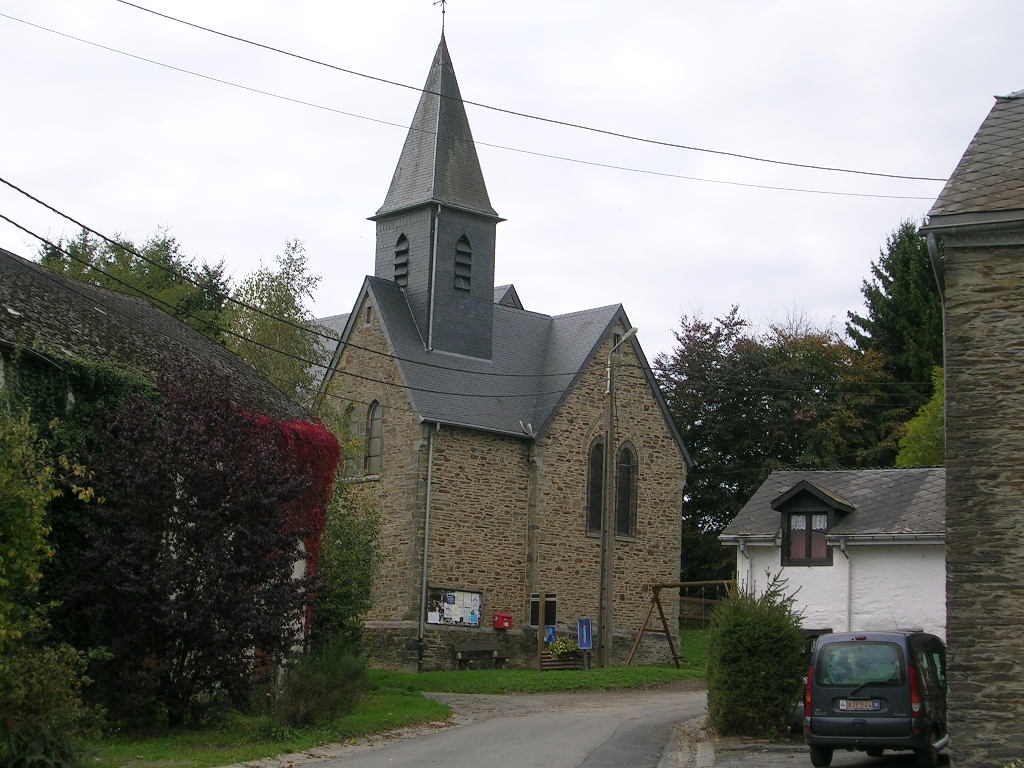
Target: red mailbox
pixel 502 621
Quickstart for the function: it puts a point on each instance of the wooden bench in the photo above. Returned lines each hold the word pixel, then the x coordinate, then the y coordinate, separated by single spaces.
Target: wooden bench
pixel 468 655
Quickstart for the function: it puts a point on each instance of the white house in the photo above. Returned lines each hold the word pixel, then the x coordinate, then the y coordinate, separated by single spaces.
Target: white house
pixel 863 549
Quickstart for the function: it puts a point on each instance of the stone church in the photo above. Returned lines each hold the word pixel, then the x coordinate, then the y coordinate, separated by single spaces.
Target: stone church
pixel 526 466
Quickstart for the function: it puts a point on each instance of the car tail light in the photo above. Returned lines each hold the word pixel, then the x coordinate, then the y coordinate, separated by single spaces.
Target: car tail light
pixel 807 691
pixel 915 693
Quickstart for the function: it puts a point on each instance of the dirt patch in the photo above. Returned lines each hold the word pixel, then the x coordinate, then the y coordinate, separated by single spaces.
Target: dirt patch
pixel 470 707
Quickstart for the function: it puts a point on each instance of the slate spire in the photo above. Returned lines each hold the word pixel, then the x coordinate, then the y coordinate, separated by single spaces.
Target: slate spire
pixel 436 230
pixel 439 163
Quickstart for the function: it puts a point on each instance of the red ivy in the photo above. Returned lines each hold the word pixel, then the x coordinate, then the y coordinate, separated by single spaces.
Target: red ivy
pixel 313 452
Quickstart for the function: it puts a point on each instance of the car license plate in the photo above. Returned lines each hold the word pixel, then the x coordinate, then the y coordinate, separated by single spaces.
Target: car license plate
pixel 859 705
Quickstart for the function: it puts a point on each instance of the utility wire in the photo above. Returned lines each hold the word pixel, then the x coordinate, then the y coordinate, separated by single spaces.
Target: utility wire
pixel 315 330
pixel 527 115
pixel 803 384
pixel 534 153
pixel 807 383
pixel 177 311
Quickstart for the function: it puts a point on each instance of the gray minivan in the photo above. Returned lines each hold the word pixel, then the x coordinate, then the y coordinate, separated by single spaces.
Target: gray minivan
pixel 874 691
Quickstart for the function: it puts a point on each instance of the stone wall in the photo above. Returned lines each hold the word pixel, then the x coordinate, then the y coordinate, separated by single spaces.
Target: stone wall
pixel 984 487
pixel 569 558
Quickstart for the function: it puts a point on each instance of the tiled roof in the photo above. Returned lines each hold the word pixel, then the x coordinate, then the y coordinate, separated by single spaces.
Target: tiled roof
pixel 50 313
pixel 990 175
pixel 884 501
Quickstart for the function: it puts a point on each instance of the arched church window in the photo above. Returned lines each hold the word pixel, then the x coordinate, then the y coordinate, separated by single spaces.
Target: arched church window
pixel 402 261
pixel 595 486
pixel 625 492
pixel 374 438
pixel 463 263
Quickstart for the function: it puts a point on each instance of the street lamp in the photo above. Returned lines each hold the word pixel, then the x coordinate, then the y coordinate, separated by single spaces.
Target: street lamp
pixel 606 628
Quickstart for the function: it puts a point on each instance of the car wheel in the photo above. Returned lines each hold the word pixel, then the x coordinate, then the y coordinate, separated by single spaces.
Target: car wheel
pixel 821 757
pixel 927 757
pixel 874 752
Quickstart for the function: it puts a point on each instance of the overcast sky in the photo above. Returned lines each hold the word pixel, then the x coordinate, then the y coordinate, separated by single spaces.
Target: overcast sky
pixel 128 146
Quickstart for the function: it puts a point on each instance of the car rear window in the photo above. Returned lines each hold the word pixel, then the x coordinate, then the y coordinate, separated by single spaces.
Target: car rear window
pixel 858 663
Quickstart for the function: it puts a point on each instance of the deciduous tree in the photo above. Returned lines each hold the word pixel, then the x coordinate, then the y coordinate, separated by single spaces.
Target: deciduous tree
pixel 273 329
pixel 924 442
pixel 158 271
pixel 186 569
pixel 747 403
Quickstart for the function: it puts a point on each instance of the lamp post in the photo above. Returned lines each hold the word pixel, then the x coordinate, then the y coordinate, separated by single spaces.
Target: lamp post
pixel 606 628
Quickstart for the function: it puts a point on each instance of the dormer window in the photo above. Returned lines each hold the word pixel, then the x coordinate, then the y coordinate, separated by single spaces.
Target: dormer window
pixel 463 263
pixel 808 511
pixel 805 540
pixel 401 273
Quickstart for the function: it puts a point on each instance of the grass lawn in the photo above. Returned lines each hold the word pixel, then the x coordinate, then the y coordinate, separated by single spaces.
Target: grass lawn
pixel 395 701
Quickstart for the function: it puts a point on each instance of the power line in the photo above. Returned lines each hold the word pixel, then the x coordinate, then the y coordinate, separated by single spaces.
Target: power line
pixel 305 361
pixel 315 330
pixel 803 384
pixel 506 148
pixel 527 115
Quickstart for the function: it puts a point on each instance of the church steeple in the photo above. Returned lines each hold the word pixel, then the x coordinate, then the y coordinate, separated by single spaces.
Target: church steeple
pixel 436 228
pixel 439 162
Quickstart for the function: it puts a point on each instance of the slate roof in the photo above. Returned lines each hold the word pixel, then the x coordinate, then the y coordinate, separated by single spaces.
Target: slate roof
pixel 898 502
pixel 990 175
pixel 46 312
pixel 333 325
pixel 536 362
pixel 439 163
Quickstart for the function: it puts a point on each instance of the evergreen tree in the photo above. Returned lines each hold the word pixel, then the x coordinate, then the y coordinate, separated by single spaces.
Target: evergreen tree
pixel 904 312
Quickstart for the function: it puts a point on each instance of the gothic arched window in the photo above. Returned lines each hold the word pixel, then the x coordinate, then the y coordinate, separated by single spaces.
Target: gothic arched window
pixel 595 486
pixel 374 438
pixel 625 492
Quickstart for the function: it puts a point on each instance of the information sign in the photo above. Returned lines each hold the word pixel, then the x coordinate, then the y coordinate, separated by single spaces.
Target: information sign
pixel 585 640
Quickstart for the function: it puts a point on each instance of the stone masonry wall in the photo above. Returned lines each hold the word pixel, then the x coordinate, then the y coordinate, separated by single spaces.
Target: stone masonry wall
pixel 398 486
pixel 570 558
pixel 985 515
pixel 478 519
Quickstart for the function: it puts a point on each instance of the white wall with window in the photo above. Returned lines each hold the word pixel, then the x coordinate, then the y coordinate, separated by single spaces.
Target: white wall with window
pixel 869 586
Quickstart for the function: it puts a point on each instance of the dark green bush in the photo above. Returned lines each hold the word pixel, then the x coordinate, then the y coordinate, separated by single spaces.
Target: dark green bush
pixel 42 716
pixel 320 687
pixel 755 662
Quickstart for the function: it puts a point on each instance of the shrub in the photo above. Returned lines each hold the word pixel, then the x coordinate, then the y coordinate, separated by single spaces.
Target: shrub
pixel 755 662
pixel 563 647
pixel 320 687
pixel 40 696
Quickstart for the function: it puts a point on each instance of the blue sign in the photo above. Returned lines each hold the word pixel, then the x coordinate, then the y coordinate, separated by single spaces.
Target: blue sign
pixel 549 634
pixel 585 641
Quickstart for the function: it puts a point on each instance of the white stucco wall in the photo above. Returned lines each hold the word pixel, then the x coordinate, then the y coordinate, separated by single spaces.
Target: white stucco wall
pixel 870 587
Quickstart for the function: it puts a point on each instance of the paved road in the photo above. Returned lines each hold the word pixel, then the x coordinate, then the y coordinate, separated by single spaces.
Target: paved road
pixel 584 730
pixel 735 753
